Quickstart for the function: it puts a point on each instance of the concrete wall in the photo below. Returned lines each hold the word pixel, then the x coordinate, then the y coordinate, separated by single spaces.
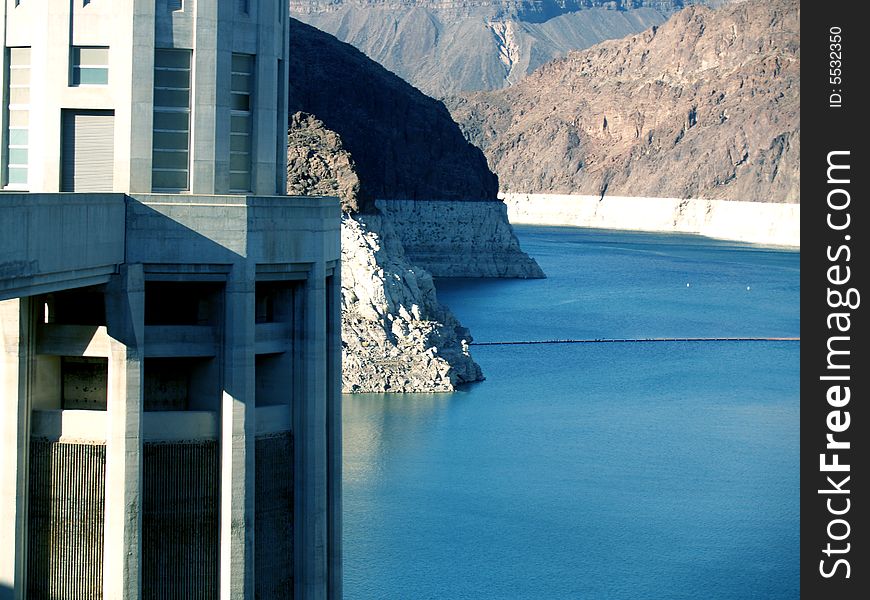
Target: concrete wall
pixel 57 241
pixel 757 222
pixel 131 29
pixel 173 229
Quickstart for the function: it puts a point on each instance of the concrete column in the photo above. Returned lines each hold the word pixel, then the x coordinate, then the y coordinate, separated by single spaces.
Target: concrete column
pixel 15 337
pixel 203 102
pixel 125 317
pixel 310 525
pixel 333 382
pixel 237 437
pixel 135 103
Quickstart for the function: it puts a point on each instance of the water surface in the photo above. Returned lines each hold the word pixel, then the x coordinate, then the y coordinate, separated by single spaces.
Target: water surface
pixel 652 470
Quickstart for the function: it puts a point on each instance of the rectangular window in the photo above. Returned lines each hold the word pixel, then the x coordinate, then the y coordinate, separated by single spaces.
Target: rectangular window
pixel 171 134
pixel 175 5
pixel 89 65
pixel 17 119
pixel 241 117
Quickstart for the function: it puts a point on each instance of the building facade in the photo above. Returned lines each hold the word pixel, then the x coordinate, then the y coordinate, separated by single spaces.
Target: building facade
pixel 170 405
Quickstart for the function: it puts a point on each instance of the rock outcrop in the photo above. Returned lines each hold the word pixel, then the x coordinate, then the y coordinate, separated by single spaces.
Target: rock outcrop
pixel 460 239
pixel 396 337
pixel 447 47
pixel 319 165
pixel 705 106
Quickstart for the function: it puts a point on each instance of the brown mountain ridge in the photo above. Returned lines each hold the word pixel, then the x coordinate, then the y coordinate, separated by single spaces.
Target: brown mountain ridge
pixel 705 106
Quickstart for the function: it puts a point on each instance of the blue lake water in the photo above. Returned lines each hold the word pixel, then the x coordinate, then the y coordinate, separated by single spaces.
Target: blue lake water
pixel 613 471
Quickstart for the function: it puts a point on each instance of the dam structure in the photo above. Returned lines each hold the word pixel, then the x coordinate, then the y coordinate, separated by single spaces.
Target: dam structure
pixel 169 318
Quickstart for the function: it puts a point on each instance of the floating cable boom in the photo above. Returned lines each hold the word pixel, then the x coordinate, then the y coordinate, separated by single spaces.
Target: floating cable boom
pixel 637 340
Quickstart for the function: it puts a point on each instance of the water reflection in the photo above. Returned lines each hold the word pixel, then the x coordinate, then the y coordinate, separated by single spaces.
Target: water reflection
pixel 386 425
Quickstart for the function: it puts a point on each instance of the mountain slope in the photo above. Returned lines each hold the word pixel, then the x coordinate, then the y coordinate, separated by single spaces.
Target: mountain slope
pixel 405 144
pixel 707 105
pixel 448 46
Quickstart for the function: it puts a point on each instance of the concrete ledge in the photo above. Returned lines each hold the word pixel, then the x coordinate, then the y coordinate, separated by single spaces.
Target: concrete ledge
pixel 227 229
pixel 73 340
pixel 273 419
pixel 90 425
pixel 180 341
pixel 51 242
pixel 272 338
pixel 69 426
pixel 176 426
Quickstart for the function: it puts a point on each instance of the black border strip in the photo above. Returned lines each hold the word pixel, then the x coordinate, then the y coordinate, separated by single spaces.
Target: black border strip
pixel 834 117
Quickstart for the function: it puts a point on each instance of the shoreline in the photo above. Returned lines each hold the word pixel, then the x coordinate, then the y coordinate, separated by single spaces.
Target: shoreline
pixel 767 224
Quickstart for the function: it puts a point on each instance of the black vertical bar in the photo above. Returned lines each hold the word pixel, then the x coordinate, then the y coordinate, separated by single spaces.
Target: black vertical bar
pixel 834 222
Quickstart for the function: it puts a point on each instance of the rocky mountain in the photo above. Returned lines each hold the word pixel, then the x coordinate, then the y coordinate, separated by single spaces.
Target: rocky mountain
pixel 359 132
pixel 705 106
pixel 450 46
pixel 404 143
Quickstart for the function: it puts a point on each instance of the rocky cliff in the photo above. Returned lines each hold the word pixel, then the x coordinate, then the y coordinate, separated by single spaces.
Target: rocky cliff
pixel 450 46
pixel 396 336
pixel 460 239
pixel 705 106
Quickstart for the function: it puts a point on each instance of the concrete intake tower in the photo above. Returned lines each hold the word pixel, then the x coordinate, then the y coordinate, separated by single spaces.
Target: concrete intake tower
pixel 170 417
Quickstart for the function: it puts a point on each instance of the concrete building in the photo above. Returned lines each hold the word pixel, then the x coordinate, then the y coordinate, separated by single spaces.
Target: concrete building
pixel 170 377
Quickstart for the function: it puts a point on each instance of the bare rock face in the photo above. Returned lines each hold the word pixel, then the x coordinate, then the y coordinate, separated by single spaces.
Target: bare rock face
pixel 396 337
pixel 318 164
pixel 460 239
pixel 705 106
pixel 452 46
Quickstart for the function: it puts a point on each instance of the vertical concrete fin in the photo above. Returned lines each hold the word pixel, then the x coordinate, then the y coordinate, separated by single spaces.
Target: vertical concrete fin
pixel 15 343
pixel 125 319
pixel 238 424
pixel 309 425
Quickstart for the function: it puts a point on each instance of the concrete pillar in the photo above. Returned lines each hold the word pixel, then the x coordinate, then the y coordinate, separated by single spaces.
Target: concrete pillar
pixel 333 382
pixel 237 437
pixel 15 339
pixel 310 554
pixel 125 317
pixel 205 70
pixel 134 123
